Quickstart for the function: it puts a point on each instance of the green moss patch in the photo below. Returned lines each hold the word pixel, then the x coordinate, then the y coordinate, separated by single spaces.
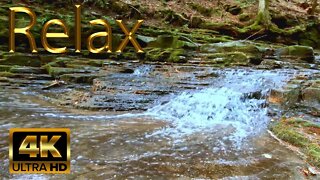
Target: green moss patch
pixel 291 131
pixel 165 55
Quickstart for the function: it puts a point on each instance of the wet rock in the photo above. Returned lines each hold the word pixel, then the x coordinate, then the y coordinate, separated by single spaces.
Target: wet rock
pixel 127 71
pixel 122 92
pixel 286 97
pixel 78 78
pixel 270 64
pixel 54 84
pixel 27 70
pixel 311 95
pixel 232 58
pixel 296 53
pixel 145 40
pixel 57 71
pixel 302 92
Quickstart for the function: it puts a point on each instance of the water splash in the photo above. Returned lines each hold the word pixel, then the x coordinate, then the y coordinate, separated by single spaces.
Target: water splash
pixel 235 103
pixel 202 111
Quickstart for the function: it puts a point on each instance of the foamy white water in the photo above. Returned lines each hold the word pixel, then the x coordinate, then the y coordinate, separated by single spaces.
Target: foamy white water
pixel 225 106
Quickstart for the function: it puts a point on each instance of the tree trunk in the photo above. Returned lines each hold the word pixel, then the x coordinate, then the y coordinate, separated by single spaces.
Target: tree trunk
pixel 263 17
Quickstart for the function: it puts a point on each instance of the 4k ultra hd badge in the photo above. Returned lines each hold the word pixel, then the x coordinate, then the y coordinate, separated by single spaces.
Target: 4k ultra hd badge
pixel 39 150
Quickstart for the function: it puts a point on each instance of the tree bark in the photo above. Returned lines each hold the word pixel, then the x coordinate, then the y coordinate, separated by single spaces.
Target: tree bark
pixel 263 17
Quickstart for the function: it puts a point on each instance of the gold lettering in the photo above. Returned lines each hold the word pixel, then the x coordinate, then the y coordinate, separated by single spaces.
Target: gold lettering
pixel 25 31
pixel 78 29
pixel 32 150
pixel 129 36
pixel 107 34
pixel 46 146
pixel 45 35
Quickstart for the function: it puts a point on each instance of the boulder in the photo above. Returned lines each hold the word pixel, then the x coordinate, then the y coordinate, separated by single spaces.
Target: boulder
pixel 311 95
pixel 286 97
pixel 226 59
pixel 296 53
pixel 253 53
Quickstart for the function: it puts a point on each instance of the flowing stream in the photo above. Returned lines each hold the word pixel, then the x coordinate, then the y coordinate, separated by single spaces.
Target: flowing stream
pixel 215 132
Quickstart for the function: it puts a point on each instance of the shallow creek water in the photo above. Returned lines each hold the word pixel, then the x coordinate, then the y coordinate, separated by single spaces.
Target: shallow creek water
pixel 210 133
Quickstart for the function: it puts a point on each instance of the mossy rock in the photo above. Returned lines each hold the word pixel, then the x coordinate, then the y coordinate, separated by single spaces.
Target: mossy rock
pixel 289 134
pixel 253 53
pixel 310 37
pixel 95 63
pixel 296 53
pixel 27 70
pixel 165 55
pixel 21 60
pixel 5 68
pixel 58 71
pixel 292 130
pixel 166 41
pixel 7 74
pixel 227 59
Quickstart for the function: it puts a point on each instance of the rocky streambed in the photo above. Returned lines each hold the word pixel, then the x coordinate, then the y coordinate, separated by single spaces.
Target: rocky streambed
pixel 205 118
